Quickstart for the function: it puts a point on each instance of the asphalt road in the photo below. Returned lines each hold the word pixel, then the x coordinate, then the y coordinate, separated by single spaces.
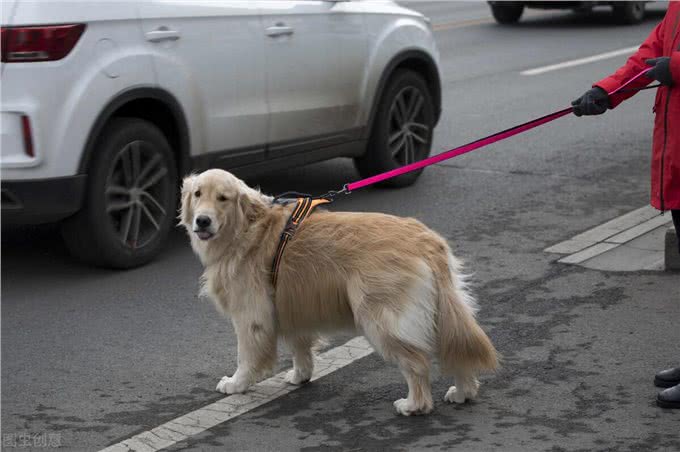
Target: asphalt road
pixel 96 356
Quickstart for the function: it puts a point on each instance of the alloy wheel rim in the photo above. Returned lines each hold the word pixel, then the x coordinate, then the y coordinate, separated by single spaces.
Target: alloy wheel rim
pixel 409 135
pixel 137 187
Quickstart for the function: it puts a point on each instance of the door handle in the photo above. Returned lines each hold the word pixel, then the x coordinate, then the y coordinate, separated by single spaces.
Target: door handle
pixel 162 34
pixel 279 30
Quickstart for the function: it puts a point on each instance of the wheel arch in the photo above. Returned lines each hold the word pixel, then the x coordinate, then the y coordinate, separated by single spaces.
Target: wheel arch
pixel 154 105
pixel 418 61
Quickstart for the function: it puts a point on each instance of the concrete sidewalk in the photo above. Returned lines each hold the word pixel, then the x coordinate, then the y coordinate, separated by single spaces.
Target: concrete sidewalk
pixel 632 242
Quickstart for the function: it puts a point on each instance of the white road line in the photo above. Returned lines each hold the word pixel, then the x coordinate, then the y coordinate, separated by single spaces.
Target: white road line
pixel 580 61
pixel 209 416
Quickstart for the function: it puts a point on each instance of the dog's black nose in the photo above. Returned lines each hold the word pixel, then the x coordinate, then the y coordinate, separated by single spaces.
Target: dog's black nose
pixel 203 222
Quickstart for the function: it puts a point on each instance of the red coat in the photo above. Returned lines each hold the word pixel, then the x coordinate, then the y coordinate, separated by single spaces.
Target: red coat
pixel 664 40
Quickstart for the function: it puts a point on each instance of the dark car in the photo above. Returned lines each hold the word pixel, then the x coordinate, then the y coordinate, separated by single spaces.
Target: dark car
pixel 624 12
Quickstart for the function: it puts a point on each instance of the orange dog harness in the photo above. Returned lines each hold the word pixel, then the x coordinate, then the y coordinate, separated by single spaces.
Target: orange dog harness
pixel 303 208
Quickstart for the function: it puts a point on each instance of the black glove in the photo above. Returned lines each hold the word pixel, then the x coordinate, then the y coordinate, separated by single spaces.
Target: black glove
pixel 595 101
pixel 661 70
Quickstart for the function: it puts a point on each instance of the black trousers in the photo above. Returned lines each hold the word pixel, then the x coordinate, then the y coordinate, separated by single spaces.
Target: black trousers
pixel 676 222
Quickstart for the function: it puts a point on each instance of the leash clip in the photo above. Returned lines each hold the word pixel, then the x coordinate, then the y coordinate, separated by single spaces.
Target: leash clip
pixel 333 193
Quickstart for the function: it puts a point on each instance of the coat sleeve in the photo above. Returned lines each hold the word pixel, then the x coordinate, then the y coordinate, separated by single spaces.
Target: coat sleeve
pixel 651 48
pixel 675 66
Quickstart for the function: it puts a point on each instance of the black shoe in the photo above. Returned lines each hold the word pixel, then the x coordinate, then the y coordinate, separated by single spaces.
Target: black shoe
pixel 669 398
pixel 667 378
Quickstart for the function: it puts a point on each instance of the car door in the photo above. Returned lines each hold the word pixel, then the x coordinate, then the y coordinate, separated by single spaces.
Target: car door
pixel 316 54
pixel 211 55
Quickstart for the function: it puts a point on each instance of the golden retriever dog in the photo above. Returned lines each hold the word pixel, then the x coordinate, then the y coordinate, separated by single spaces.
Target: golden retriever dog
pixel 391 279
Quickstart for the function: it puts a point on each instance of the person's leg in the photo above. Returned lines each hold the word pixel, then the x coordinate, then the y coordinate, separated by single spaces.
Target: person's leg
pixel 676 222
pixel 670 378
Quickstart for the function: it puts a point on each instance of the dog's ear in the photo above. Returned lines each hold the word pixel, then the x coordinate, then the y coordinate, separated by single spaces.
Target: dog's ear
pixel 185 211
pixel 249 208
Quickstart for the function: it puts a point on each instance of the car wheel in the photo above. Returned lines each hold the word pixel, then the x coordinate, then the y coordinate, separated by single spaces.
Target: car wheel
pixel 629 12
pixel 402 129
pixel 507 12
pixel 131 197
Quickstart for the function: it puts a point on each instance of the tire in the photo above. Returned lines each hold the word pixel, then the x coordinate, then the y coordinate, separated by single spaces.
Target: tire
pixel 132 179
pixel 411 138
pixel 507 13
pixel 629 13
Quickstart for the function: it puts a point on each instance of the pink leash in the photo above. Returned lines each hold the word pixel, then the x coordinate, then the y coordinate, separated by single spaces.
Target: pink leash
pixel 455 152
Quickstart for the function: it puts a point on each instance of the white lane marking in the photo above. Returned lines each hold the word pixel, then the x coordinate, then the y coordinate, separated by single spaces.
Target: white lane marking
pixel 229 407
pixel 579 61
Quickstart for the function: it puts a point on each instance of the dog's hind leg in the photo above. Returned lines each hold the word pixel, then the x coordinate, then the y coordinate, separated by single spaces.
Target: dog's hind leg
pixel 414 364
pixel 399 325
pixel 466 388
pixel 419 399
pixel 303 362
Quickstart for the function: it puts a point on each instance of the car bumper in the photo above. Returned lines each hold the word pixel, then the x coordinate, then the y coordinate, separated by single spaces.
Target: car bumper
pixel 41 200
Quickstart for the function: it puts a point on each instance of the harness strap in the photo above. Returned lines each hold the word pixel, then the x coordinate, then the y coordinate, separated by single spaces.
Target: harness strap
pixel 303 209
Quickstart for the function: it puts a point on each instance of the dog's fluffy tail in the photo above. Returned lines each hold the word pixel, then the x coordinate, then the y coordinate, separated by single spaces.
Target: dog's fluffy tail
pixel 463 345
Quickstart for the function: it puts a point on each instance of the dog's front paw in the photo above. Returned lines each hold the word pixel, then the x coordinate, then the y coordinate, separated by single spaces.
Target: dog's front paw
pixel 298 377
pixel 229 385
pixel 407 407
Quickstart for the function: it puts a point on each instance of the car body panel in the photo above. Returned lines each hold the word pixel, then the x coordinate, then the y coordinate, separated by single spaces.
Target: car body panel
pixel 219 81
pixel 62 98
pixel 391 34
pixel 320 95
pixel 243 98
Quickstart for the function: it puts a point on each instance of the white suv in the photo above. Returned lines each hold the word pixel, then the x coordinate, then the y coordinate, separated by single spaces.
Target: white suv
pixel 106 104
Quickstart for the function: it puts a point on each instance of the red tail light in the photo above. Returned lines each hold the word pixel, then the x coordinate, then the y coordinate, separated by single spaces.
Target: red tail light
pixel 28 137
pixel 42 43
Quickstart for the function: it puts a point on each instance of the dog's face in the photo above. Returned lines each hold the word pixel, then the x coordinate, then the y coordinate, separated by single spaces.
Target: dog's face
pixel 214 201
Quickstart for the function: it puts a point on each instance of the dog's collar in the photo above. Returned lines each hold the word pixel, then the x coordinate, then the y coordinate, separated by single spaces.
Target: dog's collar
pixel 303 209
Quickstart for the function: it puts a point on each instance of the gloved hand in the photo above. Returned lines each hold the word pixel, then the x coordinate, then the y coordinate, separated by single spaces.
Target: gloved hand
pixel 595 101
pixel 661 70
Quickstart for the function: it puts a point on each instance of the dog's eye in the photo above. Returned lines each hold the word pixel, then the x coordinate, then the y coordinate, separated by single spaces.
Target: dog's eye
pixel 197 193
pixel 221 198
